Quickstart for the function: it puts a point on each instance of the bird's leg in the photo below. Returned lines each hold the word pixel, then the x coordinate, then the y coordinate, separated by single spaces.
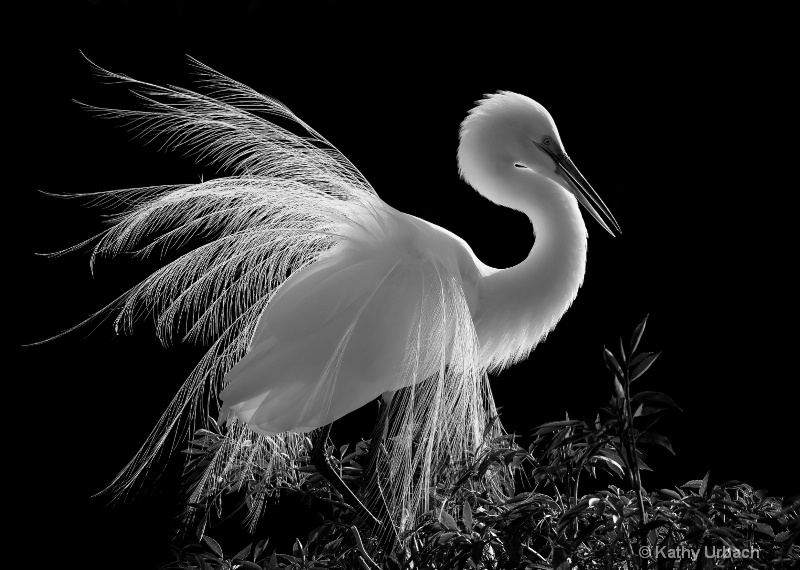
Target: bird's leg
pixel 319 458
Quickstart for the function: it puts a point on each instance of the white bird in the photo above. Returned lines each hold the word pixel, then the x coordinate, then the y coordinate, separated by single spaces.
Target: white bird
pixel 369 289
pixel 318 297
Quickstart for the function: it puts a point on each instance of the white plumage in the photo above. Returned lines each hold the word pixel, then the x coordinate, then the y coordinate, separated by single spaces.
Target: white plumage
pixel 317 297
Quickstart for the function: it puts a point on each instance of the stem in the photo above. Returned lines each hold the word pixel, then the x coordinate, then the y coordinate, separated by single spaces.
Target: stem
pixel 572 479
pixel 637 475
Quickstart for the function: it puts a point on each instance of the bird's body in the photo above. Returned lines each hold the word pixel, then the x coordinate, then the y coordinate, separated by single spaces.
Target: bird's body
pixel 335 336
pixel 318 297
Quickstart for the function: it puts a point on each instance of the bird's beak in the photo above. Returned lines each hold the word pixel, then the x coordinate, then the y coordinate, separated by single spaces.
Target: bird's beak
pixel 583 191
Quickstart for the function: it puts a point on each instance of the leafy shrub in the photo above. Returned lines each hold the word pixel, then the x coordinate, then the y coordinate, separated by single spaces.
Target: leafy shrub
pixel 548 523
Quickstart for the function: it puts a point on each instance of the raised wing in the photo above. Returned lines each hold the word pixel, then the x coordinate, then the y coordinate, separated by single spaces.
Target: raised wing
pixel 308 315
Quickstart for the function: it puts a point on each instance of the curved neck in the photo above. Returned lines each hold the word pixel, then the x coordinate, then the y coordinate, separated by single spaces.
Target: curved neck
pixel 521 304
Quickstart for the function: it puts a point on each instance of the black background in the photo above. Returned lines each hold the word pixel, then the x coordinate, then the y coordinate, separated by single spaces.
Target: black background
pixel 679 121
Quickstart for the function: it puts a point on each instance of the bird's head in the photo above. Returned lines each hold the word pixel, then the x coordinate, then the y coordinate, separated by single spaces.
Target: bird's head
pixel 507 130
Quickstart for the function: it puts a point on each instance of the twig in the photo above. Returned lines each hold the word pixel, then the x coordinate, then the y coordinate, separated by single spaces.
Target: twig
pixel 539 556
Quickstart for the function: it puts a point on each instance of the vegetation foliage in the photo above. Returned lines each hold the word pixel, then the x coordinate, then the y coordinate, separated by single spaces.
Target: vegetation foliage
pixel 543 521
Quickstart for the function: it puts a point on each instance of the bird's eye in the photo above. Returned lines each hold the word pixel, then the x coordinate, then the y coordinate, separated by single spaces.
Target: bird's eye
pixel 546 141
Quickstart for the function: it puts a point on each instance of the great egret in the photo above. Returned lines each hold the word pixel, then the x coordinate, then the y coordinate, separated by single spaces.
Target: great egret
pixel 317 297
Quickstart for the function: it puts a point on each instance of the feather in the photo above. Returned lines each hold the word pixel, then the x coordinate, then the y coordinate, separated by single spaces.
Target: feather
pixel 309 290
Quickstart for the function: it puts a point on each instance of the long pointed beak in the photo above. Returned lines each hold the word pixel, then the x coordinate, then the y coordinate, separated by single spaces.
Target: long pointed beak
pixel 584 192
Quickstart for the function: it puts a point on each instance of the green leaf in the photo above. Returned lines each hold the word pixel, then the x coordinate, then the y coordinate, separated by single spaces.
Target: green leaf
pixel 622 350
pixel 213 545
pixel 448 521
pixel 704 485
pixel 618 388
pixel 644 529
pixel 248 565
pixel 242 554
pixel 199 561
pixel 611 362
pixel 578 508
pixel 646 411
pixel 260 546
pixel 332 546
pixel 670 493
pixel 613 460
pixel 558 441
pixel 273 561
pixel 490 425
pixel 637 334
pixel 553 426
pixel 201 527
pixel 517 498
pixel 657 439
pixel 720 531
pixel 765 529
pixel 644 366
pixel 655 400
pixel 298 549
pixel 466 516
pixel 638 358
